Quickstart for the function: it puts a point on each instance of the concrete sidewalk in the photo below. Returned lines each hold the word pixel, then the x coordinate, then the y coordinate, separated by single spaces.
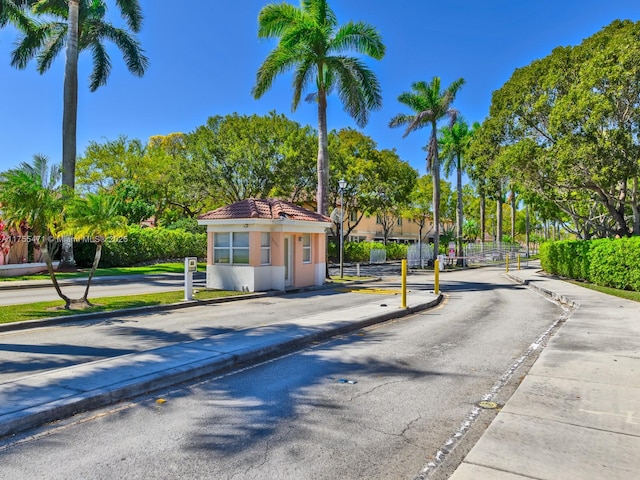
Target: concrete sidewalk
pixel 33 400
pixel 577 412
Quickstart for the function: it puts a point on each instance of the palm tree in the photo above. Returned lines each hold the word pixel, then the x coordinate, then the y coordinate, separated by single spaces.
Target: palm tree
pixel 25 199
pixel 49 175
pixel 94 217
pixel 313 45
pixel 453 142
pixel 76 26
pixel 430 106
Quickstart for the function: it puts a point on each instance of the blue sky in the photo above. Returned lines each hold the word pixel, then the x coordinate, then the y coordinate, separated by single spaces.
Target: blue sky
pixel 204 57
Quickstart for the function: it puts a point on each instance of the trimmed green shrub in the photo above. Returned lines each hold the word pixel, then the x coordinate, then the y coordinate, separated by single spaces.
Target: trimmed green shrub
pixel 608 262
pixel 143 245
pixel 396 251
pixel 616 263
pixel 569 258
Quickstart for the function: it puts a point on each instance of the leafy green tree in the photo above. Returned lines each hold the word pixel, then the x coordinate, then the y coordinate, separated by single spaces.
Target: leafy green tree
pixel 313 46
pixel 351 154
pixel 430 105
pixel 296 175
pixel 174 183
pixel 93 217
pixel 105 165
pixel 248 156
pixel 131 204
pixel 470 230
pixel 453 142
pixel 391 182
pixel 76 26
pixel 567 129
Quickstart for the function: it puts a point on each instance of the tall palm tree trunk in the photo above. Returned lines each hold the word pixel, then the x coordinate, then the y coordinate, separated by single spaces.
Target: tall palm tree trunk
pixel 69 120
pixel 323 155
pixel 47 258
pixel 513 216
pixel 94 267
pixel 499 218
pixel 435 173
pixel 460 213
pixel 483 218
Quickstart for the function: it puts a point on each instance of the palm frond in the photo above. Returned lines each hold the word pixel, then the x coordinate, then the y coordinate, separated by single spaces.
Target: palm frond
pixel 301 80
pixel 55 8
pixel 132 53
pixel 357 86
pixel 54 43
pixel 29 44
pixel 320 11
pixel 132 13
pixel 278 61
pixel 360 37
pixel 274 19
pixel 101 66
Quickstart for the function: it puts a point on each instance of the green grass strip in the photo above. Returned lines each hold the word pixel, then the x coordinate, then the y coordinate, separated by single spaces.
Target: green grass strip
pixel 626 294
pixel 158 268
pixel 35 311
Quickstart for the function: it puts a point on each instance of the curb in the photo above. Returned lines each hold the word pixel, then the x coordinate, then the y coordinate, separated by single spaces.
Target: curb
pixel 549 293
pixel 146 384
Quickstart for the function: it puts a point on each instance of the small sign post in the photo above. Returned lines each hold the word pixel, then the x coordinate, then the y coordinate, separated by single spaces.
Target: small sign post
pixel 190 266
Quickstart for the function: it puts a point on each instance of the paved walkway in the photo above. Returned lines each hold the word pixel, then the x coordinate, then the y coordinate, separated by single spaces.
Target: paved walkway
pixel 576 415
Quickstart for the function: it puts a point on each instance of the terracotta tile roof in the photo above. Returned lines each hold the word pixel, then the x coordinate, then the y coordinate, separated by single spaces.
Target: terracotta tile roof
pixel 267 208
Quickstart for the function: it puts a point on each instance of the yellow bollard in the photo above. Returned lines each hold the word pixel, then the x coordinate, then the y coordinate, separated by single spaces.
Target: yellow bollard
pixel 436 275
pixel 404 284
pixel 518 261
pixel 507 264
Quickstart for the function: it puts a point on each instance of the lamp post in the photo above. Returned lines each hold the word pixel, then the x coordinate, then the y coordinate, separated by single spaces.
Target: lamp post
pixel 342 184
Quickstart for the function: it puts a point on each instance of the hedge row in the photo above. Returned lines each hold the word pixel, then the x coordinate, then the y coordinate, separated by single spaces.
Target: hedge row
pixel 608 262
pixel 360 251
pixel 142 245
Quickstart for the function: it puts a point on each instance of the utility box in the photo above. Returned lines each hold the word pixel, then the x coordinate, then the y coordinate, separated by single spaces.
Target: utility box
pixel 190 266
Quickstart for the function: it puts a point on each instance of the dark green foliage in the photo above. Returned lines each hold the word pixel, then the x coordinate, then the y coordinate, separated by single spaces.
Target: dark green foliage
pixel 132 204
pixel 360 251
pixel 607 262
pixel 143 245
pixel 188 225
pixel 616 263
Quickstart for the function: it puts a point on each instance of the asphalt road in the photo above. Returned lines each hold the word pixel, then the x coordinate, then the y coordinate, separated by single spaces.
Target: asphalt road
pixel 416 380
pixel 105 287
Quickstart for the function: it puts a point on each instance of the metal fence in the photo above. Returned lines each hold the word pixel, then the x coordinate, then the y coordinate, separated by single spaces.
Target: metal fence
pixel 419 255
pixel 493 253
pixel 378 255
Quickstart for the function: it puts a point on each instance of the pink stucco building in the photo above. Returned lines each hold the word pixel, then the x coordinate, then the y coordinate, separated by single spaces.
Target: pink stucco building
pixel 265 244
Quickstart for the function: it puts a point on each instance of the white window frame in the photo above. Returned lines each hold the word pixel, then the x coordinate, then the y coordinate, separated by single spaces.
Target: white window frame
pixel 265 238
pixel 306 249
pixel 230 249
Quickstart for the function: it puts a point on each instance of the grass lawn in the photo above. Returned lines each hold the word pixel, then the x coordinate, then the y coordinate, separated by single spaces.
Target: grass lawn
pixel 34 311
pixel 626 294
pixel 349 278
pixel 176 267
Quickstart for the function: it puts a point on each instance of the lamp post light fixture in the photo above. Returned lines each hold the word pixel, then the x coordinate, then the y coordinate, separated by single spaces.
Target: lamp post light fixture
pixel 342 184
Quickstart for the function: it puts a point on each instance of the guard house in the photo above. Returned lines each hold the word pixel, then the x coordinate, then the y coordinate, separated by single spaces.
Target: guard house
pixel 265 244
